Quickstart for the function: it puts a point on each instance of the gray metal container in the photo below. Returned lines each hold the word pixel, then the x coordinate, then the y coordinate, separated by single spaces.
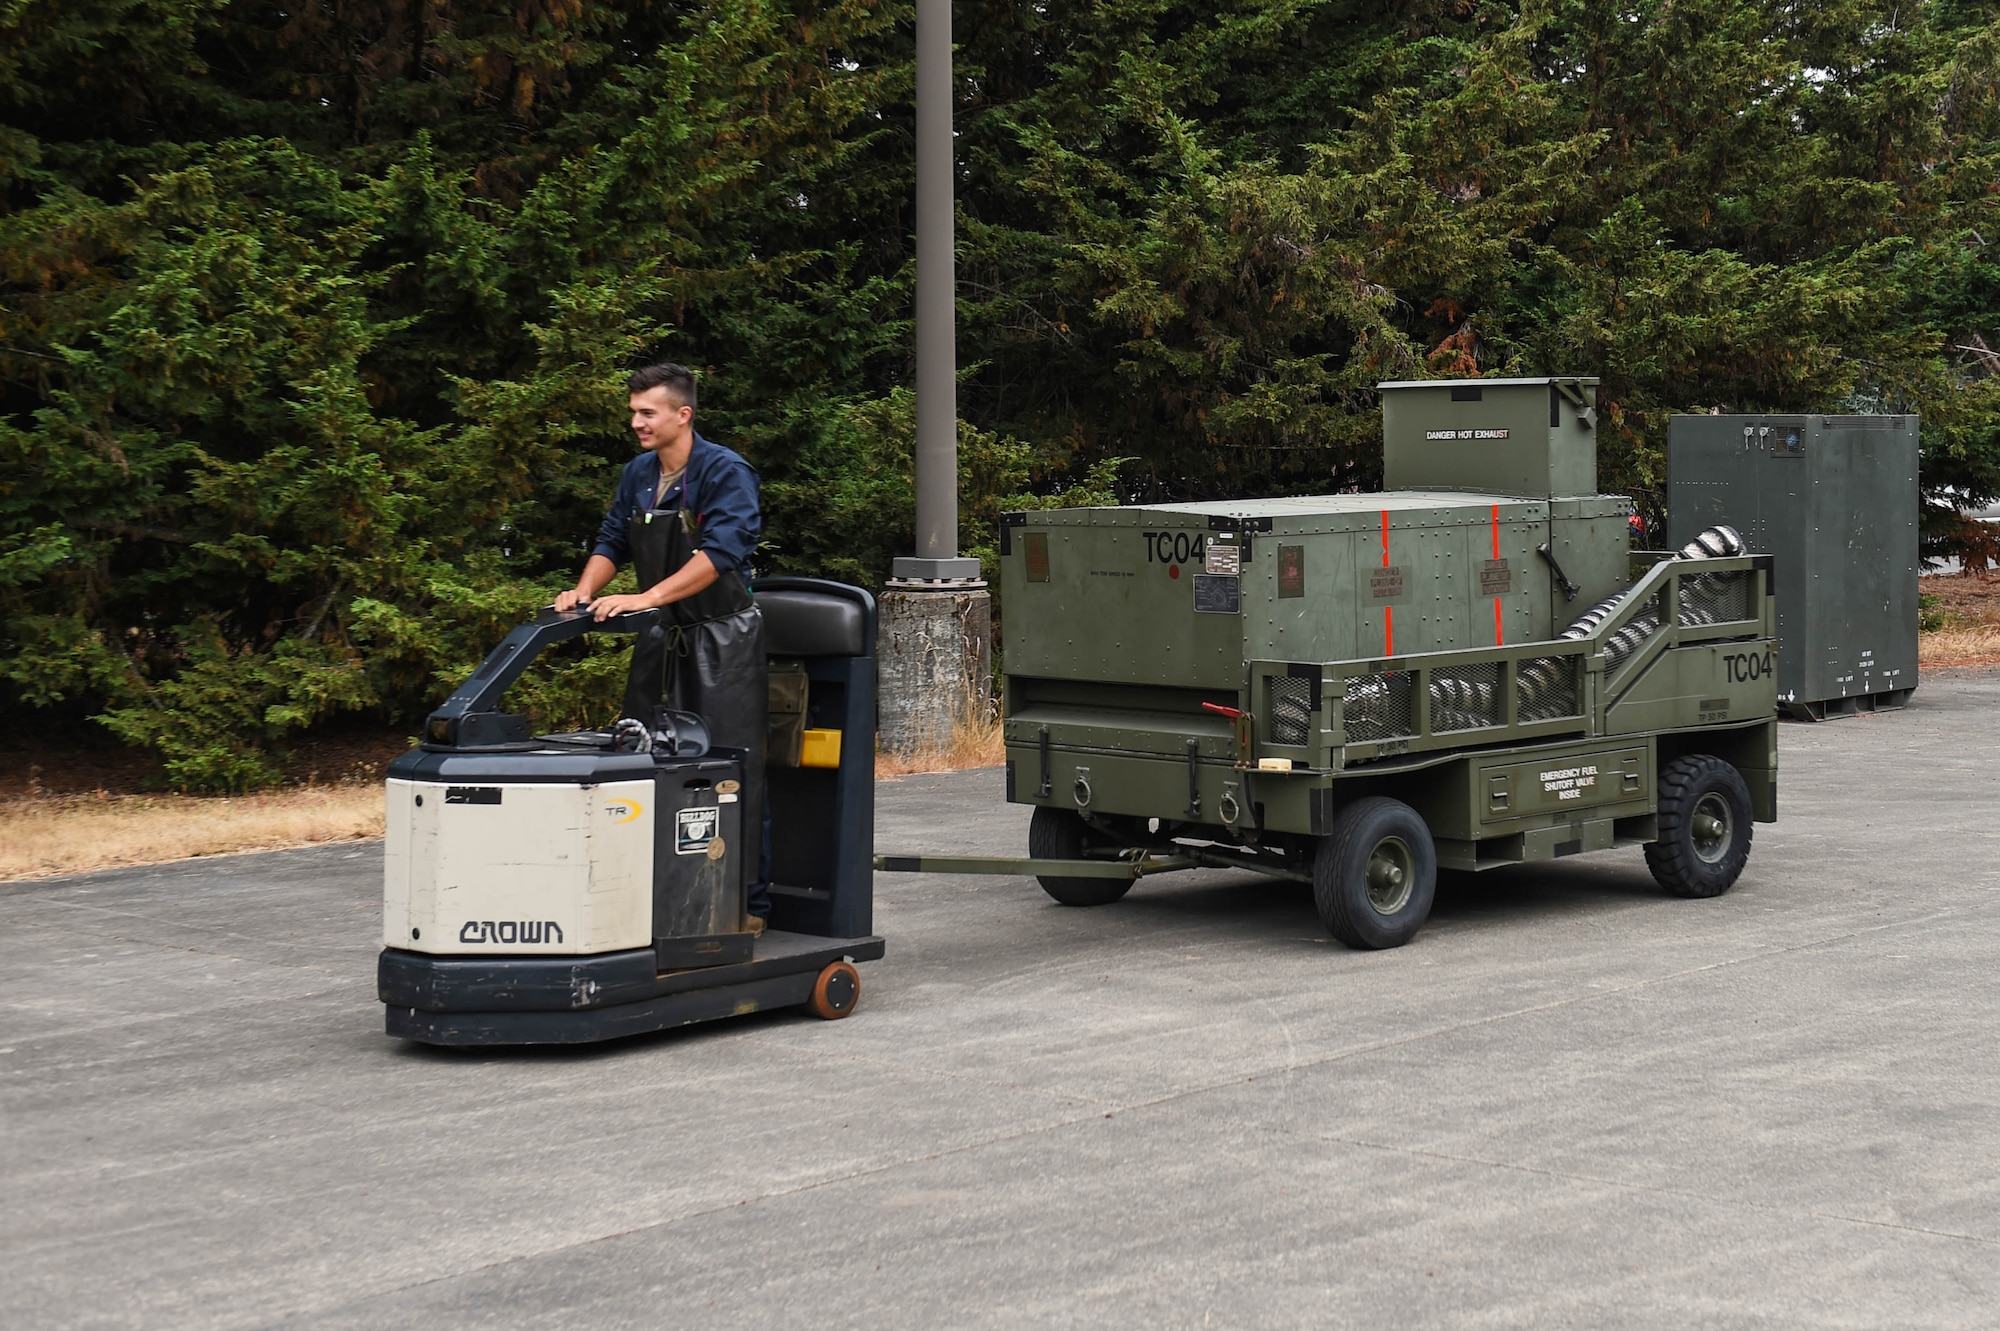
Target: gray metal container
pixel 1834 500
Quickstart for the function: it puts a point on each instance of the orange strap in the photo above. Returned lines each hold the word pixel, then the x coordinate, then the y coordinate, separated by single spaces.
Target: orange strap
pixel 1499 636
pixel 1388 614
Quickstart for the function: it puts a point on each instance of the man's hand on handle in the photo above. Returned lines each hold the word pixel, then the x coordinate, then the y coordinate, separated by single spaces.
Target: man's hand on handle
pixel 597 570
pixel 695 575
pixel 604 607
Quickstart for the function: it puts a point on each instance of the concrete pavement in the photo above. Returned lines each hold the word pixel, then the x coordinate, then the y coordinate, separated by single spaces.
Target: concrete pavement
pixel 1572 1101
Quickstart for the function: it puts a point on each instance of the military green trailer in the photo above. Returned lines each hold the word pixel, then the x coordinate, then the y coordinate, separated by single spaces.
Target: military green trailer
pixel 1469 669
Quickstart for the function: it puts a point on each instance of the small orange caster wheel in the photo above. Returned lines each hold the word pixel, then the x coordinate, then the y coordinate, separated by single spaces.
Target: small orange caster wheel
pixel 835 992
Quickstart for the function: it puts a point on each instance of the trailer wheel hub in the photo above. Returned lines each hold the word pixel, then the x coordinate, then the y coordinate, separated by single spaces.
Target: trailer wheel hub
pixel 1711 828
pixel 1389 875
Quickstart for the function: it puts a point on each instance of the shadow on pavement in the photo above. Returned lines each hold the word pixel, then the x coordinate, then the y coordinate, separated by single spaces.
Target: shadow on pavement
pixel 1527 895
pixel 577 1055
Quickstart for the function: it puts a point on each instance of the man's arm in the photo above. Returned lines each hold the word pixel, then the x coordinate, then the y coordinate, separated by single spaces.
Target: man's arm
pixel 612 547
pixel 730 509
pixel 697 575
pixel 597 570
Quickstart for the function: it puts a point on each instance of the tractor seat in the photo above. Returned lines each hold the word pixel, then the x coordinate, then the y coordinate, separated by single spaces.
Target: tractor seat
pixel 810 623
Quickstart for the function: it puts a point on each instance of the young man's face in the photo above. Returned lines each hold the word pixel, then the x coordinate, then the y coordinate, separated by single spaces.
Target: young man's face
pixel 658 419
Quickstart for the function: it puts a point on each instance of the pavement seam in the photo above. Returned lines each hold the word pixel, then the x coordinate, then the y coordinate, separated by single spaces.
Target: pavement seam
pixel 128 1022
pixel 1377 1046
pixel 969 1147
pixel 775 1195
pixel 199 930
pixel 233 1148
pixel 945 1074
pixel 1454 1028
pixel 1170 1100
pixel 1651 1188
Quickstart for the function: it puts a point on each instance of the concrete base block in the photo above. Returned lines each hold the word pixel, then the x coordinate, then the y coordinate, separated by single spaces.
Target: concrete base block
pixel 934 658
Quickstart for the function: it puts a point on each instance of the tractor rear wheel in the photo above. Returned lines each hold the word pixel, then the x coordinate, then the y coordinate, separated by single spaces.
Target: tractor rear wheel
pixel 835 991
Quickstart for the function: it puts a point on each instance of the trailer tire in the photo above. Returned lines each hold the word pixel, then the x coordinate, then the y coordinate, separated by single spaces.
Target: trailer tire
pixel 1375 874
pixel 1704 827
pixel 1058 834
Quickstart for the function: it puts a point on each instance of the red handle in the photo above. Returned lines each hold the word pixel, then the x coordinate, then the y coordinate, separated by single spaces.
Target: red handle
pixel 1231 712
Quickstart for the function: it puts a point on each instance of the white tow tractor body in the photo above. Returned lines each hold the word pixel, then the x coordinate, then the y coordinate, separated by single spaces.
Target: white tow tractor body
pixel 518 869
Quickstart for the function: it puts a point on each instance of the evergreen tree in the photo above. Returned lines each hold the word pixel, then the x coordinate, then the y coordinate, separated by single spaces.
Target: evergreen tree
pixel 313 319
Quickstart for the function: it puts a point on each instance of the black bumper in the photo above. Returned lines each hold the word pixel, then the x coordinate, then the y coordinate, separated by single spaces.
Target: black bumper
pixel 484 1000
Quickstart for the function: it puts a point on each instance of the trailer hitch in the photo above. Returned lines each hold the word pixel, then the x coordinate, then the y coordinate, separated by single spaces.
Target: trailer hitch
pixel 1129 864
pixel 1133 863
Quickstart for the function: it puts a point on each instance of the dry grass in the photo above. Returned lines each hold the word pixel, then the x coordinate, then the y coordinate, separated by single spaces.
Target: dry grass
pixel 1970 634
pixel 1949 648
pixel 43 835
pixel 978 744
pixel 78 833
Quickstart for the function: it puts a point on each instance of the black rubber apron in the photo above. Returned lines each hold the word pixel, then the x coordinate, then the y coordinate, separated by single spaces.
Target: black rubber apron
pixel 705 656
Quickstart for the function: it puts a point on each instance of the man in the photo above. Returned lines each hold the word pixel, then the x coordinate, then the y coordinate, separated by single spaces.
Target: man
pixel 687 515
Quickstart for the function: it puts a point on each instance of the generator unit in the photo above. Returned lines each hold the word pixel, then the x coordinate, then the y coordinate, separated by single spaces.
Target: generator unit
pixel 1833 499
pixel 1469 669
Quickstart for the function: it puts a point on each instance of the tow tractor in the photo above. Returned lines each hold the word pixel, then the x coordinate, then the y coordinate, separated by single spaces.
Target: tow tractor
pixel 571 887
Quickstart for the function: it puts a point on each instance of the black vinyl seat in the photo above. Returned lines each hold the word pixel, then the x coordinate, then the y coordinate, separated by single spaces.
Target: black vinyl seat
pixel 808 621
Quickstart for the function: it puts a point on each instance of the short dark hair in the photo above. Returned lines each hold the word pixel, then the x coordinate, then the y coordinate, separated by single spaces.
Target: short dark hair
pixel 678 380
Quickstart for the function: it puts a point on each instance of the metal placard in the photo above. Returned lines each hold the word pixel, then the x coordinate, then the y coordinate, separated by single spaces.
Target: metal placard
pixel 1385 583
pixel 1223 560
pixel 1495 578
pixel 1216 595
pixel 1038 556
pixel 1291 570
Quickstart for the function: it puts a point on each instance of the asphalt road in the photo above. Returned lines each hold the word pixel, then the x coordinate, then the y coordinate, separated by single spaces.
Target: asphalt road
pixel 1571 1102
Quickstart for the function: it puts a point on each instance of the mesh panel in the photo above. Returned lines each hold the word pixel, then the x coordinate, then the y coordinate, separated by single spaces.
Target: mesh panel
pixel 1291 710
pixel 1465 697
pixel 1547 688
pixel 1714 598
pixel 1378 706
pixel 1630 639
pixel 1634 634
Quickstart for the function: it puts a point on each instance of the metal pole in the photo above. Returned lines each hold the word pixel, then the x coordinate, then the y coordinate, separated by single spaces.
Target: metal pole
pixel 937 355
pixel 934 598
